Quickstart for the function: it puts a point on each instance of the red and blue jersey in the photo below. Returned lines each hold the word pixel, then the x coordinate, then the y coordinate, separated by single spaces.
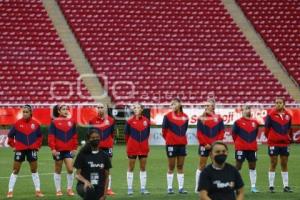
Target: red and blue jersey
pixel 210 128
pixel 137 132
pixel 174 128
pixel 244 133
pixel 62 135
pixel 25 135
pixel 278 128
pixel 105 127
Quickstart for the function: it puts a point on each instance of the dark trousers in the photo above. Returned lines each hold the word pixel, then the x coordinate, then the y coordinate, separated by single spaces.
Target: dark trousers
pixel 91 193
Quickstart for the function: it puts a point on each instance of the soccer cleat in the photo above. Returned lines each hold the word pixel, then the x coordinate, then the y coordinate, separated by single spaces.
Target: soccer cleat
pixel 254 190
pixel 144 192
pixel 59 193
pixel 271 189
pixel 9 195
pixel 287 189
pixel 70 192
pixel 182 191
pixel 39 194
pixel 170 191
pixel 130 192
pixel 110 192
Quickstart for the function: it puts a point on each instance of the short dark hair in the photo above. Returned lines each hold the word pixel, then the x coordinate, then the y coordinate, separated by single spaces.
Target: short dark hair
pixel 219 143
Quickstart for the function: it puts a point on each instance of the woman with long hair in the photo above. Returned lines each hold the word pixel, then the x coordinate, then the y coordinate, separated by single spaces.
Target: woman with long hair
pixel 174 128
pixel 62 140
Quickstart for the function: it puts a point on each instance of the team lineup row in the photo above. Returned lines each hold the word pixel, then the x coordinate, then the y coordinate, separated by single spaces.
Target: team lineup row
pixel 92 166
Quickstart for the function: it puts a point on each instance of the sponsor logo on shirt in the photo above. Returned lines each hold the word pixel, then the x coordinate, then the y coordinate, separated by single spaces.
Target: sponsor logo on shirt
pixel 32 126
pixel 96 165
pixel 221 185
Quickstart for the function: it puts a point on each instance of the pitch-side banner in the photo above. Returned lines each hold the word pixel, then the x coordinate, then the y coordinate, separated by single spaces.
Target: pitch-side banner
pixel 229 115
pixel 9 116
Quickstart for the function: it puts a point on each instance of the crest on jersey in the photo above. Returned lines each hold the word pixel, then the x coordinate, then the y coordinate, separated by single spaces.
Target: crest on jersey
pixel 32 126
pixel 69 123
pixel 287 117
pixel 215 119
pixel 106 122
pixel 145 123
pixel 253 125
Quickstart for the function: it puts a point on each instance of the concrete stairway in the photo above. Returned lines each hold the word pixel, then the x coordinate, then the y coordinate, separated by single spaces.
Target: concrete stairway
pixel 261 49
pixel 90 79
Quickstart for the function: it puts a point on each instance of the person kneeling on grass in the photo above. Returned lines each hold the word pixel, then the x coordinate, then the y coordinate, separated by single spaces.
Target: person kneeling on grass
pixel 220 180
pixel 92 169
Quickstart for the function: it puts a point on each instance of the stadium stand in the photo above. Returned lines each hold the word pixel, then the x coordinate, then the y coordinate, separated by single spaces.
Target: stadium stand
pixel 32 58
pixel 170 48
pixel 278 24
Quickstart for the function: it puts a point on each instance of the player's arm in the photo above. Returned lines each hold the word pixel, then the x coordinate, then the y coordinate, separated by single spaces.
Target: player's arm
pixel 11 137
pixel 79 177
pixel 165 127
pixel 221 129
pixel 234 131
pixel 203 194
pixel 127 131
pixel 267 125
pixel 40 137
pixel 240 194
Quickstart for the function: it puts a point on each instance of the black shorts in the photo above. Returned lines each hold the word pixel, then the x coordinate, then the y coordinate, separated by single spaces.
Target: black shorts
pixel 31 155
pixel 62 155
pixel 137 156
pixel 275 151
pixel 175 150
pixel 245 154
pixel 203 152
pixel 91 193
pixel 108 151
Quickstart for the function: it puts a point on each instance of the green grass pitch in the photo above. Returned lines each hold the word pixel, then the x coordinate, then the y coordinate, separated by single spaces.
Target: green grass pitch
pixel 156 167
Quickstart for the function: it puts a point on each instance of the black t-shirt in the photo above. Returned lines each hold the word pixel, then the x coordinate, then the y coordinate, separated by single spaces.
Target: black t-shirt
pixel 220 184
pixel 93 167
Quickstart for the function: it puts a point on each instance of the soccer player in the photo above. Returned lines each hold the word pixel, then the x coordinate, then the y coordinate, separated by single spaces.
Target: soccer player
pixel 174 128
pixel 25 138
pixel 210 128
pixel 244 133
pixel 92 167
pixel 279 134
pixel 104 124
pixel 220 180
pixel 137 131
pixel 62 140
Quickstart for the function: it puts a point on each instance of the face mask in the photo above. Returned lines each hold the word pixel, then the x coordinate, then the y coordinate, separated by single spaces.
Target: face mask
pixel 220 159
pixel 94 143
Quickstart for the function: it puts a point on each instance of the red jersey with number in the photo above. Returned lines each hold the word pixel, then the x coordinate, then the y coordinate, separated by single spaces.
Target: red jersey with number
pixel 210 128
pixel 105 127
pixel 25 135
pixel 174 128
pixel 244 133
pixel 62 135
pixel 278 128
pixel 137 132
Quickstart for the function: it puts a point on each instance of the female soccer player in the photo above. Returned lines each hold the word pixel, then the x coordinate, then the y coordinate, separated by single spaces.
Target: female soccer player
pixel 137 131
pixel 174 127
pixel 25 138
pixel 92 169
pixel 210 128
pixel 279 133
pixel 244 133
pixel 220 180
pixel 62 140
pixel 104 124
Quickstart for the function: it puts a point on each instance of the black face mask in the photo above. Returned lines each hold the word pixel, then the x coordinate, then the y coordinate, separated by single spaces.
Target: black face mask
pixel 94 143
pixel 220 159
